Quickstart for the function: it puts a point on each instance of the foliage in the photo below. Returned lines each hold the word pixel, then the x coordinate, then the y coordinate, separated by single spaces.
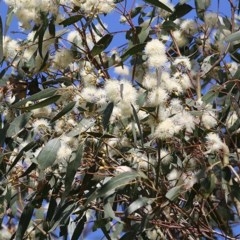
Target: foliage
pixel 136 141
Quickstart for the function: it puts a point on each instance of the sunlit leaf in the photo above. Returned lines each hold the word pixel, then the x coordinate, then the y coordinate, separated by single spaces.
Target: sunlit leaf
pixel 72 167
pixel 137 204
pixel 233 37
pixel 159 4
pixel 173 193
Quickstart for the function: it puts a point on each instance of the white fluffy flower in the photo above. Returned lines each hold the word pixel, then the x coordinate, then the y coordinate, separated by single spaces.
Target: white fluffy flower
pixel 122 70
pixel 10 48
pixel 155 47
pixel 166 157
pixel 211 19
pixel 180 38
pixel 157 96
pixel 231 119
pixel 184 120
pixel 183 63
pixel 167 129
pixel 150 81
pixel 112 88
pixel 93 95
pixel 64 152
pixel 214 143
pixel 62 58
pixel 41 126
pixel 156 52
pixel 183 79
pixel 209 119
pixel 189 27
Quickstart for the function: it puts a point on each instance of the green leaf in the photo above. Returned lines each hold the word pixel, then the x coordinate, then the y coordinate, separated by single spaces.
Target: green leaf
pixel 233 37
pixel 48 154
pixel 107 114
pixel 137 204
pixel 72 167
pixel 109 213
pixel 38 96
pixel 201 6
pixel 158 3
pixel 173 193
pixel 10 13
pixel 21 153
pixel 82 126
pixel 118 181
pixel 1 40
pixel 79 228
pixel 138 123
pixel 51 27
pixel 169 26
pixel 102 44
pixel 64 111
pixel 43 103
pixel 71 20
pixel 24 221
pixel 100 135
pixel 18 124
pixel 133 50
pixel 63 214
pixel 180 11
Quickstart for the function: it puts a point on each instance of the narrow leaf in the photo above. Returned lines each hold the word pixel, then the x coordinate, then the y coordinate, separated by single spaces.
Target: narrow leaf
pixel 138 123
pixel 233 37
pixel 114 183
pixel 24 221
pixel 48 154
pixel 137 204
pixel 20 154
pixel 159 4
pixel 43 103
pixel 38 96
pixel 18 124
pixel 180 11
pixel 173 193
pixel 133 50
pixel 64 111
pixel 72 168
pixel 1 40
pixel 107 114
pixel 10 13
pixel 102 44
pixel 71 20
pixel 79 228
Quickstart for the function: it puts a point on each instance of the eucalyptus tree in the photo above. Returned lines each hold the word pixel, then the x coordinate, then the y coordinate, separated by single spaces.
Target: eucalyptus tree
pixel 120 117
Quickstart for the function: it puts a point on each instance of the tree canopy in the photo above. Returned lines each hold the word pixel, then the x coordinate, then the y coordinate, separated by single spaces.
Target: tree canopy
pixel 120 117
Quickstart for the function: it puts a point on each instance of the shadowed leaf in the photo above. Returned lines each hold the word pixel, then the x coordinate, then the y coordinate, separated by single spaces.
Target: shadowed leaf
pixel 48 154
